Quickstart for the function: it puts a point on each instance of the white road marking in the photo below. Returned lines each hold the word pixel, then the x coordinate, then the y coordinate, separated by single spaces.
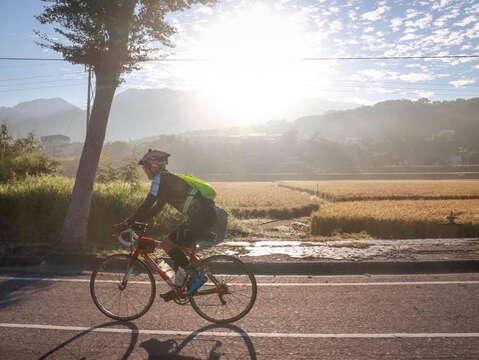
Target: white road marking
pixel 242 334
pixel 383 283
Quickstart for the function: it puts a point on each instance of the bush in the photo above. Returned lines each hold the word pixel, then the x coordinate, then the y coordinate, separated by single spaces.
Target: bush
pixel 22 157
pixel 33 210
pixel 127 173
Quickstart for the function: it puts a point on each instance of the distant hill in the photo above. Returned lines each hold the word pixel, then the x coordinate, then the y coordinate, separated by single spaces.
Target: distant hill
pixel 395 118
pixel 36 108
pixel 140 113
pixel 44 117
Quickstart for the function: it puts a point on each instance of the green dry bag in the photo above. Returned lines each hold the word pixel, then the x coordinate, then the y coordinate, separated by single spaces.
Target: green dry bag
pixel 203 187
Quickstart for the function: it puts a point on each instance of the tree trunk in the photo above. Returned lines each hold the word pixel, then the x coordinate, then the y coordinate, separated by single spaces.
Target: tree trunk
pixel 75 227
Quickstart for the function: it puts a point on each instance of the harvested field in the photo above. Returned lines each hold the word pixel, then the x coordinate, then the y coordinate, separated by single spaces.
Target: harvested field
pixel 399 219
pixel 388 189
pixel 263 199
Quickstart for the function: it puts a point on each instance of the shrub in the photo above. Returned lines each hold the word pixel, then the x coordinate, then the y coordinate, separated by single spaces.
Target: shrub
pixel 33 210
pixel 22 157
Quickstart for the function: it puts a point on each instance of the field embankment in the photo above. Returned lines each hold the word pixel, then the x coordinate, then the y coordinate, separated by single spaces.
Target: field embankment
pixel 263 200
pixel 388 189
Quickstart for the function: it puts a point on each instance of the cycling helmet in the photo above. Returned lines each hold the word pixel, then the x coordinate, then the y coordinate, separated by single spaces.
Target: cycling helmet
pixel 154 156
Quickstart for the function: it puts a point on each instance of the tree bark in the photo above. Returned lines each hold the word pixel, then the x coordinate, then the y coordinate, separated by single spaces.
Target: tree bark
pixel 75 227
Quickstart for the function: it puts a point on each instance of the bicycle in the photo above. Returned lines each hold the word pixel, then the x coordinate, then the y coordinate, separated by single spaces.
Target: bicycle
pixel 122 279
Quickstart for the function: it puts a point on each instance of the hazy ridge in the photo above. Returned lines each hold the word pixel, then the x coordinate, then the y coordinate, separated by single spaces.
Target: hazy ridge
pixel 140 113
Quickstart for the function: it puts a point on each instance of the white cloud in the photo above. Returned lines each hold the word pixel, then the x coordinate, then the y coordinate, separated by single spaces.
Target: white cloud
pixel 396 24
pixel 205 10
pixel 368 29
pixel 420 23
pixel 442 20
pixel 458 83
pixel 466 21
pixel 408 37
pixel 335 26
pixel 374 15
pixel 379 74
pixel 474 9
pixel 424 94
pixel 352 15
pixel 473 32
pixel 425 21
pixel 410 13
pixel 440 4
pixel 415 77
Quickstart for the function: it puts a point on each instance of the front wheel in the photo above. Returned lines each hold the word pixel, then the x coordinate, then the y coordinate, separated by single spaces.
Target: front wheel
pixel 122 287
pixel 230 292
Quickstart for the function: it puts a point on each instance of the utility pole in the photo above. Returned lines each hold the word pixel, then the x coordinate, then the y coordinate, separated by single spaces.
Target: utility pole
pixel 88 98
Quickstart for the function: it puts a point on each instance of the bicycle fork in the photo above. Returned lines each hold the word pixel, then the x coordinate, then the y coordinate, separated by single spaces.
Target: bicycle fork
pixel 126 275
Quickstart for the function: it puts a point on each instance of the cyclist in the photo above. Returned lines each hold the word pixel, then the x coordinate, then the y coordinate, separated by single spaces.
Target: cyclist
pixel 167 188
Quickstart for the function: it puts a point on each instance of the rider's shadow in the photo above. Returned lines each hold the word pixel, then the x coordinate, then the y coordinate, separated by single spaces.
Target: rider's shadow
pixel 202 345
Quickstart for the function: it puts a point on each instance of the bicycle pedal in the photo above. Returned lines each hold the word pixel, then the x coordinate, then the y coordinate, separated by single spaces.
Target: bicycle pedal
pixel 170 295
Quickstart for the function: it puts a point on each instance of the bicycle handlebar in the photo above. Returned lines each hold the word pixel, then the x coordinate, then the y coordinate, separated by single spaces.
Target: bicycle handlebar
pixel 123 241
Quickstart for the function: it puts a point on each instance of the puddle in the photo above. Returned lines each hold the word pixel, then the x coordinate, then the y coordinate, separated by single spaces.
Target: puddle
pixel 336 250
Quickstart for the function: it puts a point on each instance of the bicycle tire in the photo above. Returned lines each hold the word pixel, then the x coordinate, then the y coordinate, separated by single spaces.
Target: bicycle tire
pixel 109 273
pixel 233 267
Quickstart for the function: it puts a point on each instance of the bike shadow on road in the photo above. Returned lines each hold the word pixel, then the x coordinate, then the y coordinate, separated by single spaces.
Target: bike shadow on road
pixel 79 346
pixel 203 344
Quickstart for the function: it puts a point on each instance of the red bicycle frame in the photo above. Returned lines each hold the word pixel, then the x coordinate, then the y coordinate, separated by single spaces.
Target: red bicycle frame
pixel 190 253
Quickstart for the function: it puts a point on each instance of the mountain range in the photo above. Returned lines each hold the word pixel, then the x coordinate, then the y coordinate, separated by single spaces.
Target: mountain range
pixel 397 118
pixel 140 113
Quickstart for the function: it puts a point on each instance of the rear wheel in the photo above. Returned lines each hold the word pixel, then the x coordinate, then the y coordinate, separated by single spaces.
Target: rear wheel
pixel 122 287
pixel 230 292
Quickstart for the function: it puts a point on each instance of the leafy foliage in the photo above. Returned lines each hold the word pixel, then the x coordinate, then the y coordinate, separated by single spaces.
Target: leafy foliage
pixel 127 173
pixel 110 34
pixel 22 157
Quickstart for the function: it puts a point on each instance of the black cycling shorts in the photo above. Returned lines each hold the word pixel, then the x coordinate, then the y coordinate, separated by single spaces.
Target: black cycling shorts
pixel 197 227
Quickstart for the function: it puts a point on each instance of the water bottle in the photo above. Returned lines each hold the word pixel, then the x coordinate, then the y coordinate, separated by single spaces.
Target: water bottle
pixel 166 268
pixel 180 276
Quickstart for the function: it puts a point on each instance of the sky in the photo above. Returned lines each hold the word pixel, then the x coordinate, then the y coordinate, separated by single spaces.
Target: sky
pixel 255 55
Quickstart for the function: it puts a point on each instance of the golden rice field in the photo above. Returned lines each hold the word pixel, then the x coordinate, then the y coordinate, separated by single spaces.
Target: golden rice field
pixel 388 189
pixel 399 218
pixel 263 199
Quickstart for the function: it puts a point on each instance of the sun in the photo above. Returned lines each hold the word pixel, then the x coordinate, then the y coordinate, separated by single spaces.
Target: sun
pixel 252 69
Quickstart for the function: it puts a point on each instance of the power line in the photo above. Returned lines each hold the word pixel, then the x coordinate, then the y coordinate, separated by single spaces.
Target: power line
pixel 439 57
pixel 39 88
pixel 41 76
pixel 40 82
pixel 29 59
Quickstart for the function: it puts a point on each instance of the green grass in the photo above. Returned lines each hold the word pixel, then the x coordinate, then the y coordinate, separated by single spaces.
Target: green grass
pixel 33 210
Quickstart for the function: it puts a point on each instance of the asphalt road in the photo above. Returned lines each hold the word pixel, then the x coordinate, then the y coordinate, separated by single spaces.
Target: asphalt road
pixel 295 317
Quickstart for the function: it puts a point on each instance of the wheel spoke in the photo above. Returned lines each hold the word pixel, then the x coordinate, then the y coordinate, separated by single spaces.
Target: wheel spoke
pixel 122 303
pixel 239 303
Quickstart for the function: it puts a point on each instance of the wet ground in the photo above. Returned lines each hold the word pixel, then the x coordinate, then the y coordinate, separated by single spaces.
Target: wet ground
pixel 289 240
pixel 264 240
